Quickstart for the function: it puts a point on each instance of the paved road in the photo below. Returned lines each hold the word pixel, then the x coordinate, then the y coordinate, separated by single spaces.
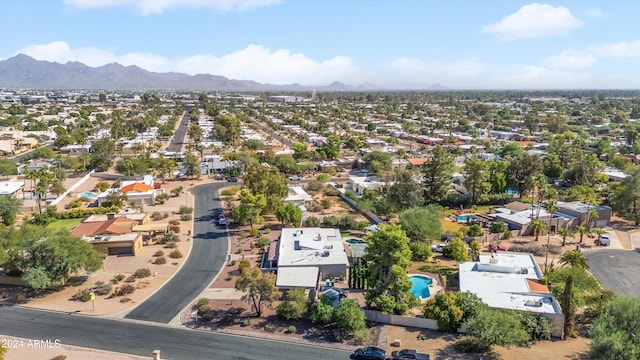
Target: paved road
pixel 179 135
pixel 142 338
pixel 210 248
pixel 616 269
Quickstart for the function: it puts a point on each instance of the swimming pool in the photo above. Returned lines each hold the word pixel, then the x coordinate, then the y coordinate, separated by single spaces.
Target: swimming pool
pixel 355 241
pixel 420 286
pixel 463 218
pixel 88 195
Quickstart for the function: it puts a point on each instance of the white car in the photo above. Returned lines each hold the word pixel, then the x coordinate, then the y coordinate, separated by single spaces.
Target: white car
pixel 294 178
pixel 222 221
pixel 438 248
pixel 605 241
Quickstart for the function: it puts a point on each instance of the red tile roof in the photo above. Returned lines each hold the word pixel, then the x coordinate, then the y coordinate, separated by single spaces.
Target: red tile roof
pixel 418 161
pixel 103 227
pixel 537 287
pixel 139 187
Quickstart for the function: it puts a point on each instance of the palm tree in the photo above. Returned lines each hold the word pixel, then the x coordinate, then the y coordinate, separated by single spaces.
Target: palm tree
pixel 598 231
pixel 537 226
pixel 574 258
pixel 551 207
pixel 565 233
pixel 582 230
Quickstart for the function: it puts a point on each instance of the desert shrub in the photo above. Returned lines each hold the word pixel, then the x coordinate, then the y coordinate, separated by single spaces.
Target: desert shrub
pixel 295 306
pixel 174 228
pixel 244 264
pixel 160 260
pixel 162 198
pixel 292 329
pixel 169 237
pixel 142 273
pixel 186 217
pixel 323 177
pixel 263 241
pixel 312 221
pixel 158 253
pixel 314 185
pixel 174 222
pixel 230 190
pixel 19 298
pixel 125 300
pixel 171 245
pixel 102 186
pixel 156 216
pixel 101 288
pixel 361 336
pixel 245 323
pixel 185 210
pixel 334 192
pixel 554 249
pixel 534 249
pixel 175 254
pixel 266 230
pixel 142 284
pixel 202 302
pixel 59 357
pixel 270 327
pixel 81 295
pixel 117 278
pixel 233 262
pixel 470 345
pixel 75 203
pixel 253 231
pixel 314 207
pixel 420 250
pixel 497 327
pixel 130 279
pixel 474 230
pixel 538 327
pixel 451 309
pixel 326 203
pixel 123 290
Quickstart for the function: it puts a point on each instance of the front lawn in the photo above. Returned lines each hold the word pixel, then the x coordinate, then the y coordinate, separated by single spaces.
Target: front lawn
pixel 448 272
pixel 68 224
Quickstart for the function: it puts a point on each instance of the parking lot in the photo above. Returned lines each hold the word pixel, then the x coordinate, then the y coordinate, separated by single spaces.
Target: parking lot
pixel 616 269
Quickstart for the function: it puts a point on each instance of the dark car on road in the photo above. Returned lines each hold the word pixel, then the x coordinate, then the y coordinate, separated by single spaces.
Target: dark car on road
pixel 409 354
pixel 369 353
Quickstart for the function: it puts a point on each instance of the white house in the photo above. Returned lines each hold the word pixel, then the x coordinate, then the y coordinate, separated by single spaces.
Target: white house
pixel 307 255
pixel 510 280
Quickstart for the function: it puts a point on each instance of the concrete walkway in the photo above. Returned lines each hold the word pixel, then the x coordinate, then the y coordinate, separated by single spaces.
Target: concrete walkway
pixel 635 241
pixel 615 242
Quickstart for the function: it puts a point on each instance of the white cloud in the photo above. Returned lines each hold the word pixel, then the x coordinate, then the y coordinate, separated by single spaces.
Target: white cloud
pixel 571 59
pixel 147 7
pixel 627 50
pixel 595 13
pixel 252 63
pixel 534 21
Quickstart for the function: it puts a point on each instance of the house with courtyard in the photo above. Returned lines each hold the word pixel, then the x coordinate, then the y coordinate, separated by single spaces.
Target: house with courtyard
pixel 111 236
pixel 512 281
pixel 304 257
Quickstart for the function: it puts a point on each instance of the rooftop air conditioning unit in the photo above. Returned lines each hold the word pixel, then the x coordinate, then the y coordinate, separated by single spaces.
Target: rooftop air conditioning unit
pixel 325 253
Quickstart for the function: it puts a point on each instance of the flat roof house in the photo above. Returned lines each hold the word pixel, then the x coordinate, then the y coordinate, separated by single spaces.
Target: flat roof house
pixel 306 255
pixel 509 280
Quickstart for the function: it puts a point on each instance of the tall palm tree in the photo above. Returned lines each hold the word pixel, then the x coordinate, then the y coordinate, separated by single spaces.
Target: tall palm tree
pixel 537 226
pixel 582 230
pixel 565 233
pixel 574 258
pixel 599 232
pixel 551 207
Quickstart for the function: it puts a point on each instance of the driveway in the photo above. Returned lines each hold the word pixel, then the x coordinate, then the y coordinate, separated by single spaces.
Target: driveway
pixel 616 269
pixel 210 248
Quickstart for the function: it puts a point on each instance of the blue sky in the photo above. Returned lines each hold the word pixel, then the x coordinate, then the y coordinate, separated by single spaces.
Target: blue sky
pixel 401 44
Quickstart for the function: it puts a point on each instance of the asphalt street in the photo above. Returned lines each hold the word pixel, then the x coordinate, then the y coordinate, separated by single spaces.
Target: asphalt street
pixel 616 269
pixel 210 248
pixel 141 339
pixel 179 135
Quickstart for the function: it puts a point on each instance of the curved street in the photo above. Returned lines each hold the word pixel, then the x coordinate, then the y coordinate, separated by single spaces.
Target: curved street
pixel 207 256
pixel 616 269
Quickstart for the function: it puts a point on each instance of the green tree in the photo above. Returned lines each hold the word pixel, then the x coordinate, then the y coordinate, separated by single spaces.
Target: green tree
pixel 476 178
pixel 349 316
pixel 259 288
pixel 36 278
pixel 405 192
pixel 295 306
pixel 615 334
pixel 537 226
pixel 498 176
pixel 331 148
pixel 260 179
pixel 389 256
pixel 322 311
pixel 564 233
pixel 191 165
pixel 498 227
pixel 8 168
pixel 625 197
pixel 497 327
pixel 437 175
pixel 195 133
pixel 377 161
pixel 582 230
pixel 289 214
pixel 444 309
pixel 9 209
pixel 250 208
pixel 568 307
pixel 574 258
pixel 521 172
pixel 422 223
pixel 456 249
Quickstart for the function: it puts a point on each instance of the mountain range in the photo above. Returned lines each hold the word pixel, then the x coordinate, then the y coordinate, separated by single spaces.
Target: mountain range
pixel 25 72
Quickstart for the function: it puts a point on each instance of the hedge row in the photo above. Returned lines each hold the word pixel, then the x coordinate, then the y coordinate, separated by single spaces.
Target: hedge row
pixel 83 213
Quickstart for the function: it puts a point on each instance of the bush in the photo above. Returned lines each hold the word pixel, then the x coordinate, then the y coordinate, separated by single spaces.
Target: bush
pixel 469 344
pixel 451 309
pixel 230 190
pixel 75 203
pixel 534 249
pixel 291 329
pixel 538 327
pixel 174 229
pixel 361 336
pixel 244 264
pixel 326 203
pixel 170 236
pixel 332 192
pixel 474 230
pixel 245 323
pixel 312 221
pixel 186 217
pixel 123 290
pixel 102 186
pixel 162 198
pixel 456 249
pixel 101 288
pixel 160 260
pixel 174 222
pixel 117 278
pixel 130 279
pixel 82 295
pixel 158 253
pixel 142 273
pixel 351 195
pixel 263 241
pixel 323 177
pixel 266 230
pixel 239 251
pixel 59 357
pixel 314 185
pixel 270 327
pixel 156 216
pixel 175 254
pixel 497 327
pixel 185 210
pixel 295 306
pixel 253 232
pixel 171 245
pixel 420 250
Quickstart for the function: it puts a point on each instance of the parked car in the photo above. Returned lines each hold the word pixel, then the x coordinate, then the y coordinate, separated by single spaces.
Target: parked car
pixel 222 221
pixel 294 178
pixel 409 354
pixel 496 247
pixel 233 179
pixel 604 240
pixel 369 353
pixel 438 248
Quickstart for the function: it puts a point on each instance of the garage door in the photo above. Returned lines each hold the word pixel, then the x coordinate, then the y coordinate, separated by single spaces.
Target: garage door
pixel 127 250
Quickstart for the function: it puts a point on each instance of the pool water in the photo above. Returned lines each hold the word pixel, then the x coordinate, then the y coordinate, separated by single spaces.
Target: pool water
pixel 88 195
pixel 463 218
pixel 355 241
pixel 420 286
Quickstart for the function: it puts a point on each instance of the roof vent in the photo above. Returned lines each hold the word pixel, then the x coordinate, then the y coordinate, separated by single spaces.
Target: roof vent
pixel 319 237
pixel 325 253
pixel 296 245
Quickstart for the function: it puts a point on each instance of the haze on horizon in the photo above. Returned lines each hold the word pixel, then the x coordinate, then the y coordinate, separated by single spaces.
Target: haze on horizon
pixel 403 44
